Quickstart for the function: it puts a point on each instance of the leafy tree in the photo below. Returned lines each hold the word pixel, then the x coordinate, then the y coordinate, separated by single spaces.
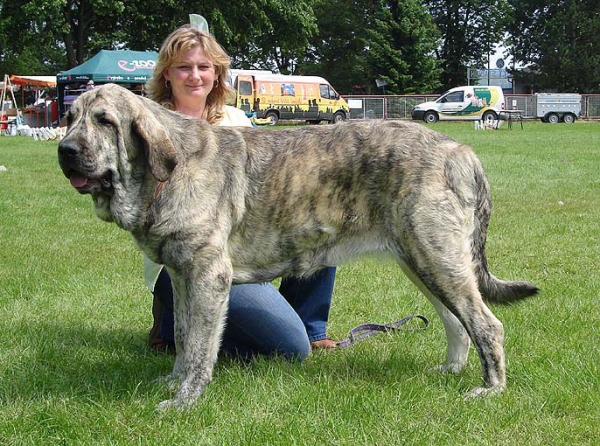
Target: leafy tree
pixel 337 50
pixel 74 28
pixel 27 44
pixel 361 41
pixel 559 41
pixel 272 34
pixel 400 47
pixel 470 30
pixel 145 24
pixel 60 34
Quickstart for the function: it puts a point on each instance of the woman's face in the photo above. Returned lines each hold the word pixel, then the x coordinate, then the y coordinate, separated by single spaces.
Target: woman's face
pixel 192 78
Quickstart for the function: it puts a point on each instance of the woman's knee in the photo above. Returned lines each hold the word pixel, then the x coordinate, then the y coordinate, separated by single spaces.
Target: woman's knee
pixel 295 347
pixel 264 321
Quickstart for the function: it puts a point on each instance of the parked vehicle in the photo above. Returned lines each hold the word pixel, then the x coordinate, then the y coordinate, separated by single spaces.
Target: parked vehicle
pixel 469 103
pixel 557 107
pixel 278 96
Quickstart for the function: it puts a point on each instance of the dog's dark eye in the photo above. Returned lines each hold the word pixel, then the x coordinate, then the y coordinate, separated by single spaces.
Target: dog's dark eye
pixel 69 118
pixel 104 120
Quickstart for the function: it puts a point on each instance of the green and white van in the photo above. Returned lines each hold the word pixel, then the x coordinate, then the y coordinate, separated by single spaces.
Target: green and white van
pixel 470 103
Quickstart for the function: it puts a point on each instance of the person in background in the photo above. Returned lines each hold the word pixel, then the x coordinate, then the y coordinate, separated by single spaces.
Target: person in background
pixel 189 78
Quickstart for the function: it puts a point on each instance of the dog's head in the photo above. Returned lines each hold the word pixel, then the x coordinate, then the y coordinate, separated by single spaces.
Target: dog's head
pixel 113 142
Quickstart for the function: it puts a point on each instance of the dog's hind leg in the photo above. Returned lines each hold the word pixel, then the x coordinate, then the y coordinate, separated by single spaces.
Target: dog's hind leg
pixel 450 284
pixel 457 338
pixel 456 335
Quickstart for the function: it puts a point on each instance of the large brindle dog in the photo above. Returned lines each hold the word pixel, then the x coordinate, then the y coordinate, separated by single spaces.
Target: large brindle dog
pixel 223 205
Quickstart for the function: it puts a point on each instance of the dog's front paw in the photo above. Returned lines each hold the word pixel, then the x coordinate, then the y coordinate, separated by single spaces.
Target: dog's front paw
pixel 176 404
pixel 447 368
pixel 185 398
pixel 480 392
pixel 165 405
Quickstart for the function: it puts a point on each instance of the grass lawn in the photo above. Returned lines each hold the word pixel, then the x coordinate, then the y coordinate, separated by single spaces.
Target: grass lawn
pixel 74 316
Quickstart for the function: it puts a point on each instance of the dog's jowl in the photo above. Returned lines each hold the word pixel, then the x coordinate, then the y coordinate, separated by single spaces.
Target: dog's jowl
pixel 222 205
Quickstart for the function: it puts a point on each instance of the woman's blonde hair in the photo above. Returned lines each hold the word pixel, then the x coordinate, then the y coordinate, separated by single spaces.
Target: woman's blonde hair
pixel 175 45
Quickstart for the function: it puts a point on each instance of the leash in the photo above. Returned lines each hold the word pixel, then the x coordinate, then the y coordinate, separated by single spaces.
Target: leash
pixel 366 330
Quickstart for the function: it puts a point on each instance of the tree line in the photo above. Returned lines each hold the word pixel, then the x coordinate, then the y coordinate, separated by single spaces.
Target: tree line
pixel 413 46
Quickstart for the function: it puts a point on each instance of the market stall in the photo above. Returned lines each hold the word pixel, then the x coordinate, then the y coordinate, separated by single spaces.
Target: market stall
pixel 130 68
pixel 40 109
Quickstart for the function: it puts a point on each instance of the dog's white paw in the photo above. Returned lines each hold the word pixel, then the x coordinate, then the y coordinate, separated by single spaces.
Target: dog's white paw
pixel 176 404
pixel 163 406
pixel 480 392
pixel 447 368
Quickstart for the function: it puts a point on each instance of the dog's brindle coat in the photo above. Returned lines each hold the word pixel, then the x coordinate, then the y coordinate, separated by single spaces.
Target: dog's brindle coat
pixel 244 205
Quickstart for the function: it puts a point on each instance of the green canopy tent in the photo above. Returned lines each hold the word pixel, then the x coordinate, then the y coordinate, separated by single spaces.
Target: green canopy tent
pixel 132 68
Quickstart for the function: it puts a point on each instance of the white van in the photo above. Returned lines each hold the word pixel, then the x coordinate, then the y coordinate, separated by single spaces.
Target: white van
pixel 470 103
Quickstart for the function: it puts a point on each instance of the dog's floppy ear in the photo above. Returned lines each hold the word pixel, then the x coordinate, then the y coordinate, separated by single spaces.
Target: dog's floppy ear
pixel 162 156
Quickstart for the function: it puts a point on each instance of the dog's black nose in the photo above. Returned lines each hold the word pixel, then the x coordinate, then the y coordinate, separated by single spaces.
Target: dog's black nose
pixel 68 148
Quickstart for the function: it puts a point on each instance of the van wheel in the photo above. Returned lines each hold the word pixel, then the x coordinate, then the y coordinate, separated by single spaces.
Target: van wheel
pixel 430 117
pixel 489 116
pixel 552 118
pixel 338 117
pixel 569 118
pixel 272 117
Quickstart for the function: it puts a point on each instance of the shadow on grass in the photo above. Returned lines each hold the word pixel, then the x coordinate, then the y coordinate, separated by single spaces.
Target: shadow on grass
pixel 58 361
pixel 54 359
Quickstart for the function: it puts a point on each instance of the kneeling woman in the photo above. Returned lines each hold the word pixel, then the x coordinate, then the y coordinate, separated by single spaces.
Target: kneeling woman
pixel 189 77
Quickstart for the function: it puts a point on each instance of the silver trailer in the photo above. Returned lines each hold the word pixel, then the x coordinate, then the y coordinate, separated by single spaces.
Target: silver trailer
pixel 557 107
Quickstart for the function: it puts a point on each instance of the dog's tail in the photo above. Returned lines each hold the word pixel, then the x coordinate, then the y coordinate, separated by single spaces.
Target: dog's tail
pixel 493 290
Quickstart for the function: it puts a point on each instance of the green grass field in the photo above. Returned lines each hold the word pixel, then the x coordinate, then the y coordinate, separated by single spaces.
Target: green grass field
pixel 74 316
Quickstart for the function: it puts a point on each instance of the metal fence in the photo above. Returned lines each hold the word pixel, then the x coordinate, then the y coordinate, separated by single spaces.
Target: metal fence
pixel 400 107
pixel 591 105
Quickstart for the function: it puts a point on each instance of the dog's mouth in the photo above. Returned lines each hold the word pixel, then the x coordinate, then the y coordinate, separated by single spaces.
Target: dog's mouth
pixel 94 186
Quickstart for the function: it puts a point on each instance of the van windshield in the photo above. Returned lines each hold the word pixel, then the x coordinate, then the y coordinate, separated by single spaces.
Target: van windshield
pixel 327 92
pixel 455 96
pixel 245 88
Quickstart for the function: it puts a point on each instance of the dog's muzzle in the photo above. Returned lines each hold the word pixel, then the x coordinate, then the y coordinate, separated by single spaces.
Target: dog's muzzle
pixel 72 164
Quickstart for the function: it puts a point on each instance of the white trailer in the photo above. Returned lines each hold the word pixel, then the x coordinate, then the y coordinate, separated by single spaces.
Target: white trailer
pixel 557 107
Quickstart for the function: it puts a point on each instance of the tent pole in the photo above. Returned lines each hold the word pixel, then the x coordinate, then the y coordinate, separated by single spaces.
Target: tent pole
pixel 3 94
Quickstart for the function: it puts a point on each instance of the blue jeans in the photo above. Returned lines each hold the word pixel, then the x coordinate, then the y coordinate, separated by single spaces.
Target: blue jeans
pixel 263 320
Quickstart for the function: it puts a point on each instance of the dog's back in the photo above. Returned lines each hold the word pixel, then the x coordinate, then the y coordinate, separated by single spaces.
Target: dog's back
pixel 318 196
